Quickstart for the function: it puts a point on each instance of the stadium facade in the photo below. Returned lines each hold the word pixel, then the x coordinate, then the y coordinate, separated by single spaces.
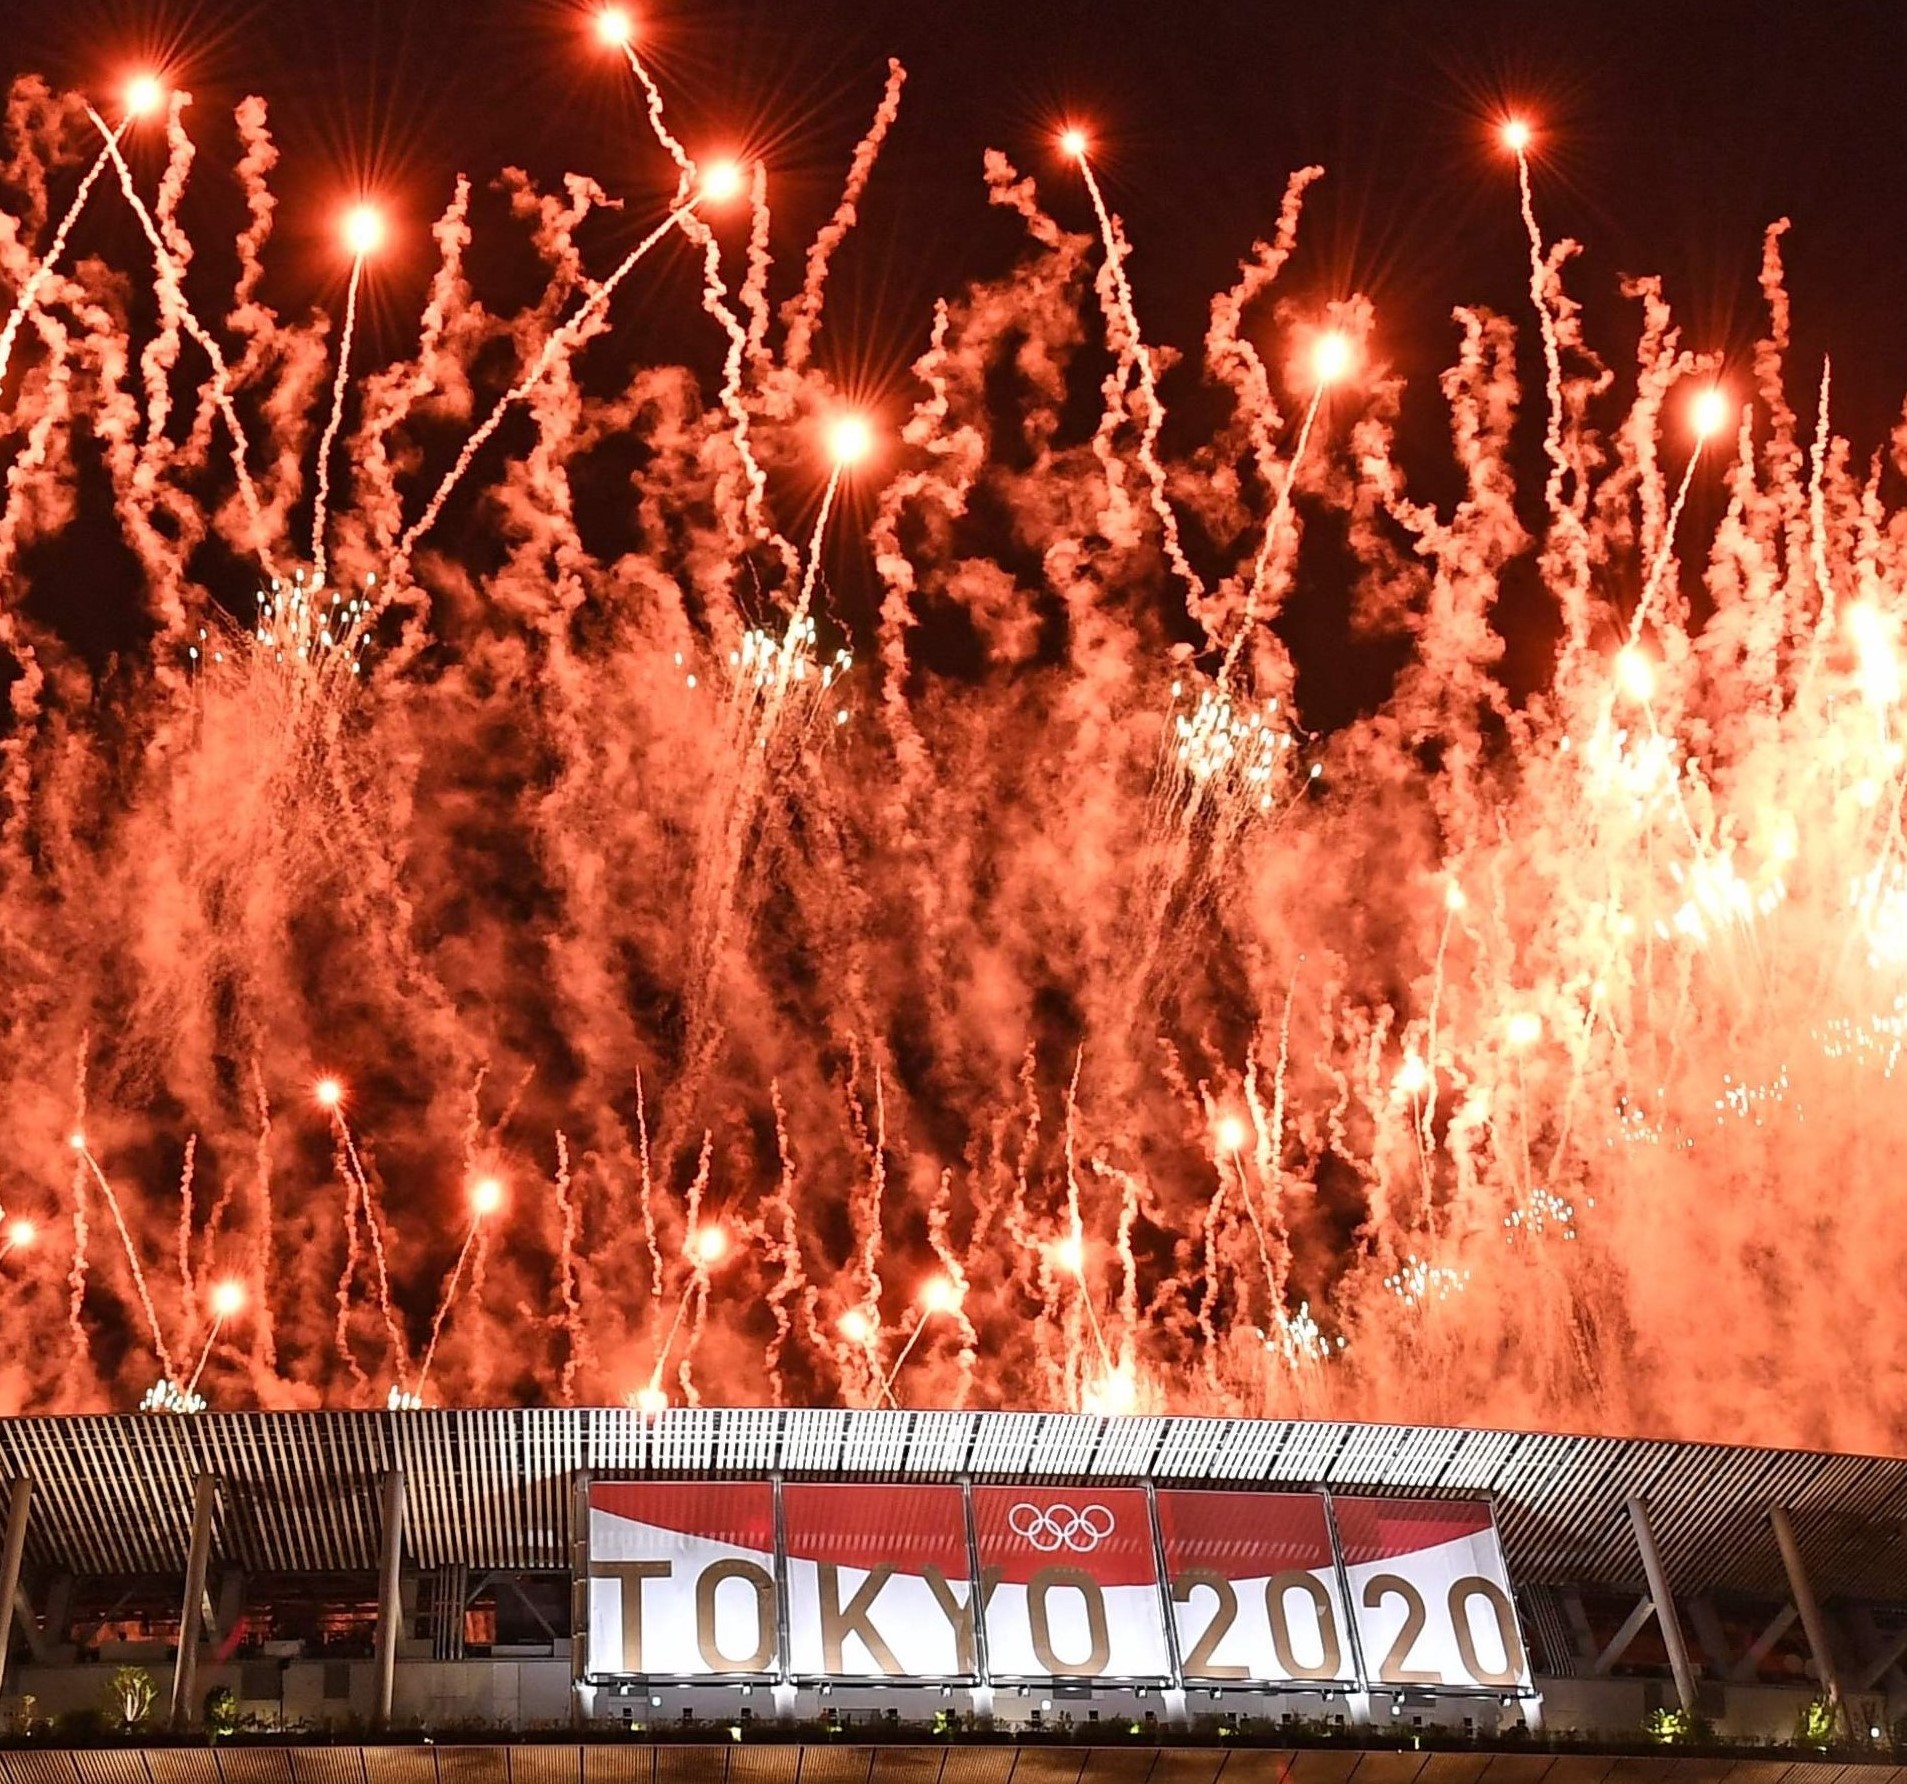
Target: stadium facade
pixel 540 1568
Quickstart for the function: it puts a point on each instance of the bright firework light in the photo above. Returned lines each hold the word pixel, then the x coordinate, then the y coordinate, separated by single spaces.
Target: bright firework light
pixel 1413 1076
pixel 615 27
pixel 20 1234
pixel 362 231
pixel 486 1197
pixel 1331 356
pixel 850 440
pixel 1708 413
pixel 1635 674
pixel 721 181
pixel 704 1246
pixel 227 1302
pixel 939 1294
pixel 856 1327
pixel 486 1200
pixel 144 95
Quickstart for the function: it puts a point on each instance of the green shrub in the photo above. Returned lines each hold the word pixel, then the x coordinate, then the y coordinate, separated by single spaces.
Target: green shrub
pixel 1674 1728
pixel 130 1693
pixel 1814 1726
pixel 221 1711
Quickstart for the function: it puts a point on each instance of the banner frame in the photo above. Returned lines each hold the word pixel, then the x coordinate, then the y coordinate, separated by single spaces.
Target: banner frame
pixel 1137 1683
pixel 1498 1694
pixel 868 1681
pixel 1324 1689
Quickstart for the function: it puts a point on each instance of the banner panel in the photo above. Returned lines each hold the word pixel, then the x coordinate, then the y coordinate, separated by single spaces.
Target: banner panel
pixel 879 1582
pixel 1255 1588
pixel 1431 1594
pixel 1072 1587
pixel 682 1579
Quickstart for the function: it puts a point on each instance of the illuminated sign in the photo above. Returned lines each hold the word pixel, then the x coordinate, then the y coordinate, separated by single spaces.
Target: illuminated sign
pixel 692 1580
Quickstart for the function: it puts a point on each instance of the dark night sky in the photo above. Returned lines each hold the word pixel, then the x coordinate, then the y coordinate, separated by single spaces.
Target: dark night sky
pixel 1670 135
pixel 1672 132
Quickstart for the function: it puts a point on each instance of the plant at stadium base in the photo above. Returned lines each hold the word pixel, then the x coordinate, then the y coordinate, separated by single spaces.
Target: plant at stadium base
pixel 221 1712
pixel 1816 1724
pixel 130 1694
pixel 999 927
pixel 1675 1728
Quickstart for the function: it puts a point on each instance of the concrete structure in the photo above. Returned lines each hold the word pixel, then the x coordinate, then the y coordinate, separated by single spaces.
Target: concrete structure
pixel 423 1568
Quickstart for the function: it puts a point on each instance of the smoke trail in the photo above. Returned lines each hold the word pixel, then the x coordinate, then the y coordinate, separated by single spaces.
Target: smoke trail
pixel 801 316
pixel 43 269
pixel 1133 355
pixel 559 343
pixel 332 423
pixel 173 298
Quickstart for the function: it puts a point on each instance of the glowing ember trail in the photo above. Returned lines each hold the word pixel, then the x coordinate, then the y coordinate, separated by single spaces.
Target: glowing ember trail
pixel 986 990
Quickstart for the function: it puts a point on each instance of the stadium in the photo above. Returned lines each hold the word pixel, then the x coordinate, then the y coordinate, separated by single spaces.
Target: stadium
pixel 542 1569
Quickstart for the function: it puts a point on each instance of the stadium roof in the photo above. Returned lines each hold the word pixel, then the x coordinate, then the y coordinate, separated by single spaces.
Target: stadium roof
pixel 113 1494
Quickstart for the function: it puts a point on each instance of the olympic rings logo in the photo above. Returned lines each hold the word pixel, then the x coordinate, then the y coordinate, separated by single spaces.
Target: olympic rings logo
pixel 1081 1528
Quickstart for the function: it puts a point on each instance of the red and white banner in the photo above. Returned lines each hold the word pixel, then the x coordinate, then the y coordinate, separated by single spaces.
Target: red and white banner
pixel 1254 1585
pixel 1072 1583
pixel 682 1579
pixel 1431 1594
pixel 879 1583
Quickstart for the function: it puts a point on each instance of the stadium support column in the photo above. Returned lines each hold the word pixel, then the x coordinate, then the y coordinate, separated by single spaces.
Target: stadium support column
pixel 185 1668
pixel 582 1696
pixel 390 1587
pixel 1175 1710
pixel 17 1506
pixel 1804 1602
pixel 1665 1612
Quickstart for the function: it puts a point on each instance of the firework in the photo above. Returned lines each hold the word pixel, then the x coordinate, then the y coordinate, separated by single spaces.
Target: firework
pixel 999 996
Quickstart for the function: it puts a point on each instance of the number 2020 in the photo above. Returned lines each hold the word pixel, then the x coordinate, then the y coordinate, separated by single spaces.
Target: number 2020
pixel 1199 1657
